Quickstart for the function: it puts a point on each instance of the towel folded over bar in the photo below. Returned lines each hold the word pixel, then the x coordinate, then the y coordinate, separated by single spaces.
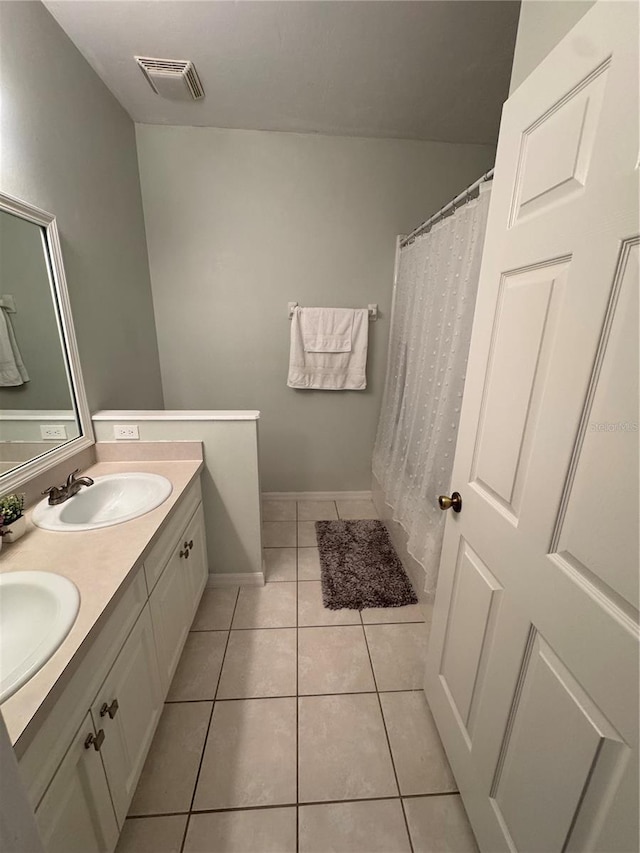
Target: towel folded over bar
pixel 329 349
pixel 327 329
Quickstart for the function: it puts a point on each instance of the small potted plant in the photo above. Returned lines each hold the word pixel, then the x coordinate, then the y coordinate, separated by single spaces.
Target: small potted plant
pixel 12 513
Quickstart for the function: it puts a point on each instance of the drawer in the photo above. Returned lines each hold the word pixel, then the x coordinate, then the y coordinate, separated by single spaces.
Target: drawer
pixel 166 541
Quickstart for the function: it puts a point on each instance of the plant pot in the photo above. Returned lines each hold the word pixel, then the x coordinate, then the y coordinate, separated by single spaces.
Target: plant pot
pixel 18 528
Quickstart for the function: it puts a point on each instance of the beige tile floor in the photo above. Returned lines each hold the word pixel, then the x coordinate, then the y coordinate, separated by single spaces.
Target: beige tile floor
pixel 290 728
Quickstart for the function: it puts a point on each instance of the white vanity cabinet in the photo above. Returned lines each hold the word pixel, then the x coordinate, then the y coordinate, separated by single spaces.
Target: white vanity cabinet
pixel 82 767
pixel 195 544
pixel 169 605
pixel 76 815
pixel 174 599
pixel 127 708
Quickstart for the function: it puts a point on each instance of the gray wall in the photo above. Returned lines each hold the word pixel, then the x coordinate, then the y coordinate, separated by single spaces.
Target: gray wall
pixel 241 222
pixel 24 275
pixel 542 24
pixel 230 494
pixel 69 147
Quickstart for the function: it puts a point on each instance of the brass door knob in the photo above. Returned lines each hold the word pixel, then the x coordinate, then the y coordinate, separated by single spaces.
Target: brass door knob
pixel 454 502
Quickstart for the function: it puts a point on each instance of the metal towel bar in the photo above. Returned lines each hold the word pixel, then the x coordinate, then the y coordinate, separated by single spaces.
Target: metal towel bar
pixel 371 308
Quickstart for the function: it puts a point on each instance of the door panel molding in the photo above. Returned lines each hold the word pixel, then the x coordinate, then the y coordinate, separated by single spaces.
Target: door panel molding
pixel 470 628
pixel 550 710
pixel 556 149
pixel 514 378
pixel 587 512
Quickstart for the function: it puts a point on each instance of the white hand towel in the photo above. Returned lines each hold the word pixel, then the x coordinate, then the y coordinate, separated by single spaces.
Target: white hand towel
pixel 12 369
pixel 327 329
pixel 329 370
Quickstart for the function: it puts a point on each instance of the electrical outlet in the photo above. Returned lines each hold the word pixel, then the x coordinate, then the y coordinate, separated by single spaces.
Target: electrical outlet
pixel 53 431
pixel 126 431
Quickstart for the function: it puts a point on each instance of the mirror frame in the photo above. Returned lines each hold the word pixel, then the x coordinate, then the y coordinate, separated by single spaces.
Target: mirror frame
pixel 15 478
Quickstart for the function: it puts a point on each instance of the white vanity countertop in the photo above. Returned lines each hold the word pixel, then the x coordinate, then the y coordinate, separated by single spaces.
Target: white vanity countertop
pixel 99 562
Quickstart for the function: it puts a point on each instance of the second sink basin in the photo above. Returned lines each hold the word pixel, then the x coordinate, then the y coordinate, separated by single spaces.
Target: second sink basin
pixel 37 611
pixel 113 499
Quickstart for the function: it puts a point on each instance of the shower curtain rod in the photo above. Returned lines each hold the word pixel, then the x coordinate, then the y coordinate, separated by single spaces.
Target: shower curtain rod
pixel 464 195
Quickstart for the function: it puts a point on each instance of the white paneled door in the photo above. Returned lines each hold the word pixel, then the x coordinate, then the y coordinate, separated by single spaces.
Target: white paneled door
pixel 532 671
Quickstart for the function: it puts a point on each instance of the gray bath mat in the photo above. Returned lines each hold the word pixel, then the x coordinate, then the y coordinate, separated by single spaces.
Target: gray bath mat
pixel 360 567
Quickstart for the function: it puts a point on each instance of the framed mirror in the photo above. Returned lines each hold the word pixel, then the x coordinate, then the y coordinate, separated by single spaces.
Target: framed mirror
pixel 44 415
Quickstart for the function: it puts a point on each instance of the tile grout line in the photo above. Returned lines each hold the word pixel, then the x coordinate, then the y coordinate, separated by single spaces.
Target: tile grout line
pixel 292 805
pixel 281 627
pixel 293 547
pixel 297 696
pixel 206 737
pixel 293 695
pixel 384 723
pixel 406 822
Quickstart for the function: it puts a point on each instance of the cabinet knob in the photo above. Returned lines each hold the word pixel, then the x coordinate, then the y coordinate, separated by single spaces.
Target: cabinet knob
pixel 94 741
pixel 111 709
pixel 185 554
pixel 190 544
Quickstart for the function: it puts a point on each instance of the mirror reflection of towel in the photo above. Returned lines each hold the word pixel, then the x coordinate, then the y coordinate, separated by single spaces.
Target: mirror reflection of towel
pixel 12 369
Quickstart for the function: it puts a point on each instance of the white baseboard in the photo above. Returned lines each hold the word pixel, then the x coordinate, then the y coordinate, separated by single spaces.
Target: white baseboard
pixel 316 496
pixel 236 579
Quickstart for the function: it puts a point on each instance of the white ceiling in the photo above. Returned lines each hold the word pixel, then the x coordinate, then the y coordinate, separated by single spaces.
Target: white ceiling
pixel 433 69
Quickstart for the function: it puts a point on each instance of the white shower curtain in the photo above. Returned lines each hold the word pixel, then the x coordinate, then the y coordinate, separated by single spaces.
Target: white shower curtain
pixel 428 348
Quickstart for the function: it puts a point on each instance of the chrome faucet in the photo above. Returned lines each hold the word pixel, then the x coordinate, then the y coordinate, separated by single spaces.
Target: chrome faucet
pixel 60 494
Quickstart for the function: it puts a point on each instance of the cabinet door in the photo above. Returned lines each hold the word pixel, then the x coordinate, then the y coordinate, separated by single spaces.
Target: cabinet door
pixel 76 814
pixel 127 707
pixel 170 605
pixel 195 545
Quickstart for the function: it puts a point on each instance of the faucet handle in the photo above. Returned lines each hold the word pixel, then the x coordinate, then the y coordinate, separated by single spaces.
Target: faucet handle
pixel 52 490
pixel 56 494
pixel 72 476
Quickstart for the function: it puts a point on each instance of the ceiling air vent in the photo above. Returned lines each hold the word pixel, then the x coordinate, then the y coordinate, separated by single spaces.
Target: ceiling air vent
pixel 172 78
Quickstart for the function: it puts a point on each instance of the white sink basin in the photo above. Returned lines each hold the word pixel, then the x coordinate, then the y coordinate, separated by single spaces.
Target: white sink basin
pixel 112 499
pixel 37 610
